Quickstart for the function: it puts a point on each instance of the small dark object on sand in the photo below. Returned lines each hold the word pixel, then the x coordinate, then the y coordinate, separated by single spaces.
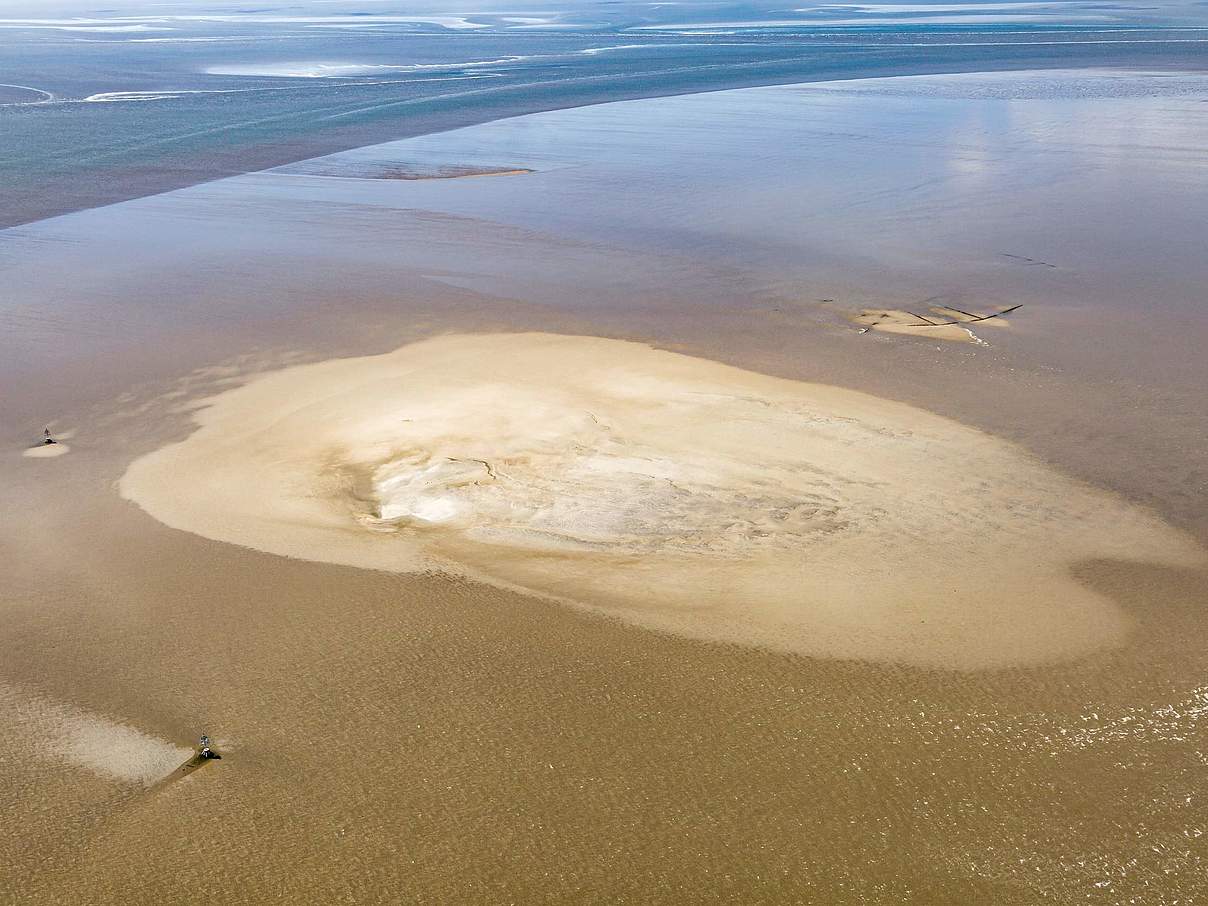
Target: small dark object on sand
pixel 46 438
pixel 206 752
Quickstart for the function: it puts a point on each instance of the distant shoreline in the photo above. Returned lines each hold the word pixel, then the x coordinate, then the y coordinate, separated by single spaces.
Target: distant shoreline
pixel 93 188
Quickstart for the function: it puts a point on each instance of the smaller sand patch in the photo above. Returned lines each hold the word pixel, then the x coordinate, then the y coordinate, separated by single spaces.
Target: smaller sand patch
pixel 46 451
pixel 451 172
pixel 939 323
pixel 342 167
pixel 107 748
pixel 51 446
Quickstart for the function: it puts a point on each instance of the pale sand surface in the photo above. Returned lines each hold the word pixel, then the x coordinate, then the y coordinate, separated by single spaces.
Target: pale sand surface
pixel 46 451
pixel 44 729
pixel 678 493
pixel 940 323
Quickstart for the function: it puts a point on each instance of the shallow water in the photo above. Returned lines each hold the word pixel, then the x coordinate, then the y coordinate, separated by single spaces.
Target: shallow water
pixel 425 739
pixel 98 104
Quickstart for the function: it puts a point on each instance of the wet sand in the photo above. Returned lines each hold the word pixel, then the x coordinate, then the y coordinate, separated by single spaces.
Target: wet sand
pixel 437 738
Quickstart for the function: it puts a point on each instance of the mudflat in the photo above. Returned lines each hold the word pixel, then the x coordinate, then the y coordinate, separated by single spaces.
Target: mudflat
pixel 431 683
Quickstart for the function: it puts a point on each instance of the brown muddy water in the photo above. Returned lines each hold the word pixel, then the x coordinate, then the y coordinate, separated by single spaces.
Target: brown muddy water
pixel 423 738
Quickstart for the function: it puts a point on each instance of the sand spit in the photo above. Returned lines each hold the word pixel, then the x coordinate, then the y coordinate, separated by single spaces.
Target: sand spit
pixel 452 173
pixel 940 322
pixel 670 491
pixel 108 749
pixel 46 451
pixel 50 449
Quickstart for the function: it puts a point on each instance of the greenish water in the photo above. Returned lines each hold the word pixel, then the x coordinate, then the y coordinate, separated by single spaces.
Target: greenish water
pixel 100 105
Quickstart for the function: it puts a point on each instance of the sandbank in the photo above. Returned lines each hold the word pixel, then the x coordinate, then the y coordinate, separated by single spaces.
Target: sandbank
pixel 673 492
pixel 452 173
pixel 107 748
pixel 940 323
pixel 46 451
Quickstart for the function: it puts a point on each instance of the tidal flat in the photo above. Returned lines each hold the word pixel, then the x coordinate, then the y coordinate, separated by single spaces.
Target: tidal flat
pixel 436 735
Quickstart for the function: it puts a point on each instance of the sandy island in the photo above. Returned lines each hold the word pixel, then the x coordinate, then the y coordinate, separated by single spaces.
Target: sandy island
pixel 673 492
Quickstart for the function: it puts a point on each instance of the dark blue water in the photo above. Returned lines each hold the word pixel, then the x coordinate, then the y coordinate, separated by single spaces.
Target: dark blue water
pixel 100 105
